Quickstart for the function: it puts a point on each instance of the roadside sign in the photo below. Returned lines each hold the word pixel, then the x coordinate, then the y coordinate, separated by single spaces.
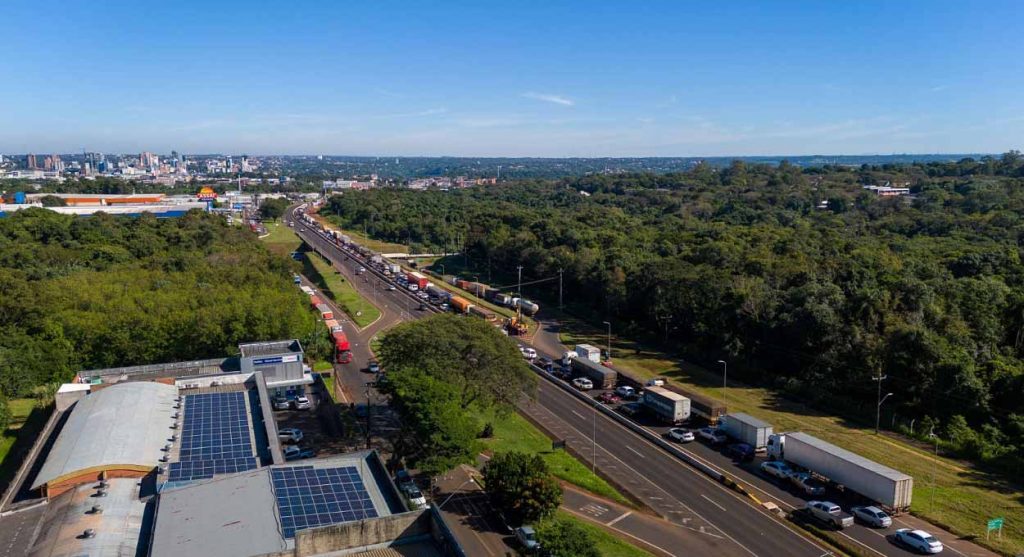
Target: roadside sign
pixel 995 524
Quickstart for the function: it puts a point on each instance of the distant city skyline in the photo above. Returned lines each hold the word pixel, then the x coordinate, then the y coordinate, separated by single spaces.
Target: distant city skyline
pixel 570 79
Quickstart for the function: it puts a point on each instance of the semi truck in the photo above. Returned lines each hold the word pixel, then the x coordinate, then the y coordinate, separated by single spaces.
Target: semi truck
pixel 528 307
pixel 669 407
pixel 435 290
pixel 483 313
pixel 890 488
pixel 601 376
pixel 315 300
pixel 746 429
pixel 325 311
pixel 418 279
pixel 501 299
pixel 588 352
pixel 394 268
pixel 460 304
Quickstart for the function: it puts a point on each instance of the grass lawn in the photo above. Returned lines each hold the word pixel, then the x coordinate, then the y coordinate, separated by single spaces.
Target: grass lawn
pixel 329 385
pixel 364 240
pixel 344 294
pixel 281 239
pixel 513 433
pixel 322 365
pixel 20 409
pixel 948 492
pixel 607 544
pixel 26 421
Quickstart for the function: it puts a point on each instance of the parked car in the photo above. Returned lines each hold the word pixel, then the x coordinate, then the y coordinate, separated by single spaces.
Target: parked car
pixel 829 513
pixel 626 392
pixel 404 479
pixel 529 353
pixel 712 435
pixel 608 398
pixel 740 451
pixel 289 435
pixel 373 367
pixel 563 373
pixel 301 402
pixel 415 497
pixel 281 403
pixel 527 538
pixel 872 516
pixel 776 469
pixel 583 384
pixel 631 409
pixel 807 484
pixel 680 435
pixel 294 452
pixel 918 540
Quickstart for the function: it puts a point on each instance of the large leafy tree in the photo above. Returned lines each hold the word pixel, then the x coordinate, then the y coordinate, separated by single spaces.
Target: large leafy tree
pixel 521 485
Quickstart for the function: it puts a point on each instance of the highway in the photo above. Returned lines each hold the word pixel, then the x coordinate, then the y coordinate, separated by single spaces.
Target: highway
pixel 720 518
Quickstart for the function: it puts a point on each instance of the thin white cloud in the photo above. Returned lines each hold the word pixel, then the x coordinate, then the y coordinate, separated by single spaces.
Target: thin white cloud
pixel 938 88
pixel 548 98
pixel 418 114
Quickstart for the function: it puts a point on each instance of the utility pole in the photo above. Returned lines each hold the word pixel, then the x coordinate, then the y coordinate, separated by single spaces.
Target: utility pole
pixel 560 290
pixel 725 373
pixel 609 339
pixel 878 399
pixel 519 285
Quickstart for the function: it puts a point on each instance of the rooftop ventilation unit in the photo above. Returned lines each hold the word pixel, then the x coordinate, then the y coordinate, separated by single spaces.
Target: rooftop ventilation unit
pixel 167 448
pixel 164 458
pixel 101 493
pixel 174 425
pixel 96 509
pixel 102 485
pixel 89 533
pixel 160 470
pixel 174 437
pixel 176 415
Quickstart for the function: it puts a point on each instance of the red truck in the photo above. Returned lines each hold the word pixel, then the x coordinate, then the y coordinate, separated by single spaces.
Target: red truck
pixel 419 280
pixel 342 348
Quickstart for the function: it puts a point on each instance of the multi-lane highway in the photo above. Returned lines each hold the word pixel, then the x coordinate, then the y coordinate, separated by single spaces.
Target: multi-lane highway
pixel 721 520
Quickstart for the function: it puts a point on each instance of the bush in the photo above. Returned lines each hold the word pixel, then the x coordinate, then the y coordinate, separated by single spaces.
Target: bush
pixel 562 537
pixel 521 485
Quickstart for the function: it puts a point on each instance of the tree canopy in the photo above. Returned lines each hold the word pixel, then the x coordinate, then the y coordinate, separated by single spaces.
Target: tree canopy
pixel 521 485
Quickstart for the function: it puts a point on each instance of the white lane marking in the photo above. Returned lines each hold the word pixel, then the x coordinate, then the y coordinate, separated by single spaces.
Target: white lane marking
pixel 625 533
pixel 636 452
pixel 580 416
pixel 621 516
pixel 712 501
pixel 854 540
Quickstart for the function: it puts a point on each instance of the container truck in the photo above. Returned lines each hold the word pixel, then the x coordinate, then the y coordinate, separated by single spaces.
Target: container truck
pixel 451 279
pixel 589 352
pixel 331 324
pixel 394 268
pixel 669 407
pixel 418 279
pixel 477 289
pixel 340 341
pixel 746 429
pixel 460 304
pixel 325 311
pixel 528 307
pixel 602 377
pixel 484 313
pixel 891 488
pixel 435 290
pixel 315 300
pixel 463 284
pixel 501 299
pixel 309 291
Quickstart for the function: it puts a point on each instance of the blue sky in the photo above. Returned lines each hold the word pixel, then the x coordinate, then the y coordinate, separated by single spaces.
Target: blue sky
pixel 513 78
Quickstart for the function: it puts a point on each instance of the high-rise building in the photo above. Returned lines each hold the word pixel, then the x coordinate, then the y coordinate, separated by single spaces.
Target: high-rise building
pixel 31 161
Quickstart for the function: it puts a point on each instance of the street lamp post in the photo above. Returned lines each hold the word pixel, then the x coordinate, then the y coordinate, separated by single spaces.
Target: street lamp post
pixel 455 491
pixel 725 373
pixel 878 411
pixel 609 339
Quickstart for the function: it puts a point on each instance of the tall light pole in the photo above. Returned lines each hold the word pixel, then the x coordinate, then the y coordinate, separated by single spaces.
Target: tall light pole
pixel 519 284
pixel 609 339
pixel 879 399
pixel 560 290
pixel 878 411
pixel 725 373
pixel 931 434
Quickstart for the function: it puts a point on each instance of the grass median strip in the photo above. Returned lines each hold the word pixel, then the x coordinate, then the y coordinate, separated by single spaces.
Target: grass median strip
pixel 340 290
pixel 513 433
pixel 281 239
pixel 951 493
pixel 607 544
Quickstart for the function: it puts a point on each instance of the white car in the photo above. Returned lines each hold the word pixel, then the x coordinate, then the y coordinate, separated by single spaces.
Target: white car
pixel 415 496
pixel 872 516
pixel 529 354
pixel 413 287
pixel 680 435
pixel 625 392
pixel 776 469
pixel 583 384
pixel 918 540
pixel 290 435
pixel 656 382
pixel 712 435
pixel 301 403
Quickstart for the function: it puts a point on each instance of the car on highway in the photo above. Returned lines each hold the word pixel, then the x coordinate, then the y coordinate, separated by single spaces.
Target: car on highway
pixel 546 364
pixel 529 354
pixel 391 288
pixel 631 409
pixel 740 451
pixel 626 392
pixel 361 270
pixel 776 469
pixel 290 435
pixel 680 435
pixel 806 484
pixel 294 452
pixel 655 382
pixel 583 384
pixel 609 398
pixel 443 307
pixel 712 435
pixel 373 367
pixel 829 513
pixel 301 402
pixel 527 538
pixel 917 540
pixel 413 287
pixel 872 516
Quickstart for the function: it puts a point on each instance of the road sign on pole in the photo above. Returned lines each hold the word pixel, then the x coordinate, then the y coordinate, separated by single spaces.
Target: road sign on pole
pixel 995 524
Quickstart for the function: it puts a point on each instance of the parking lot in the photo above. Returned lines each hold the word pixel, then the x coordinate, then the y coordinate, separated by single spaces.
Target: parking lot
pixel 321 430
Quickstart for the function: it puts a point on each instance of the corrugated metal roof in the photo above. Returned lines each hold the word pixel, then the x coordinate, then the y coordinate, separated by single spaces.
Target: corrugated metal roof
pixel 270 348
pixel 117 527
pixel 126 424
pixel 844 454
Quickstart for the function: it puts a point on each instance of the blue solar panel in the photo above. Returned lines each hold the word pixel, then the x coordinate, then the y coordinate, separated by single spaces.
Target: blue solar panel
pixel 214 437
pixel 308 497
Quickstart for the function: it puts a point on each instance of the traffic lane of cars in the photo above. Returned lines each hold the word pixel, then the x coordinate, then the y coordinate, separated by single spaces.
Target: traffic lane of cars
pixel 747 470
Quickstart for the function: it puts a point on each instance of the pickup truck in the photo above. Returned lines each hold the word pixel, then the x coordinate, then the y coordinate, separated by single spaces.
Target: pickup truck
pixel 830 513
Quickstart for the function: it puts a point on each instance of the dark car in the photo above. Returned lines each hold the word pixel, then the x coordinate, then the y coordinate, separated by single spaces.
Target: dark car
pixel 631 409
pixel 740 451
pixel 546 364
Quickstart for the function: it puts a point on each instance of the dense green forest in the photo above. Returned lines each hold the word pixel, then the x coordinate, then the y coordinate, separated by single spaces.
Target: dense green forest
pixel 93 292
pixel 806 281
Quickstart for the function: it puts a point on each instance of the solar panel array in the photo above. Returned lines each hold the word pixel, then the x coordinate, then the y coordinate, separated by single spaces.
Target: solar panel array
pixel 308 497
pixel 214 437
